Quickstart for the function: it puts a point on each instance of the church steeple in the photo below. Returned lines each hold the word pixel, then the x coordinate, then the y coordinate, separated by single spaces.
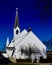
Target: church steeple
pixel 16 24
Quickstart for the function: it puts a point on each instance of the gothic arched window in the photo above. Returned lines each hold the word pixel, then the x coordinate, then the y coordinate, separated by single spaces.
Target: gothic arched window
pixel 17 31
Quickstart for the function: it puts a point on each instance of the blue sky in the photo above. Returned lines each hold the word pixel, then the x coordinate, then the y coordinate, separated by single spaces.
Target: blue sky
pixel 36 14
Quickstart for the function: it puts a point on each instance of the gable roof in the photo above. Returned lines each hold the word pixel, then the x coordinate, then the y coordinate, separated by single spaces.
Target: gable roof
pixel 17 39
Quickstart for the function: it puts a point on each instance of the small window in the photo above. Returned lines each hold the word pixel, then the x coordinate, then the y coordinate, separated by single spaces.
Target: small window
pixel 17 31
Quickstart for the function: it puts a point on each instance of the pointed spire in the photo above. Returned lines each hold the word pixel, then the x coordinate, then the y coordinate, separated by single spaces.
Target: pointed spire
pixel 16 19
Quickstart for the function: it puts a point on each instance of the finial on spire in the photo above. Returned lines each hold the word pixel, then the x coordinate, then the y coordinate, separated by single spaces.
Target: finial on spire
pixel 16 9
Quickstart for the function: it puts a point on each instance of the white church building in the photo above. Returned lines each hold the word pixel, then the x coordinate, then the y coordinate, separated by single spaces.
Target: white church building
pixel 24 45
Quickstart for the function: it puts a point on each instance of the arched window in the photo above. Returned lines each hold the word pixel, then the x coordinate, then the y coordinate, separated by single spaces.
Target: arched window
pixel 17 31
